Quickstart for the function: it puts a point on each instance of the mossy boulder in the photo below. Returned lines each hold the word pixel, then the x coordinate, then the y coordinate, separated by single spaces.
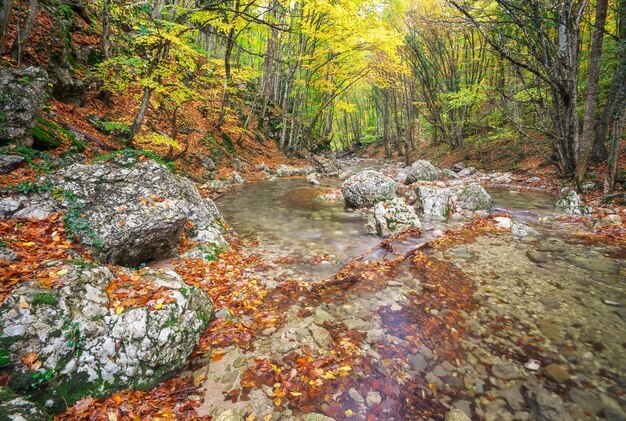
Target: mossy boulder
pixel 367 188
pixel 86 346
pixel 22 95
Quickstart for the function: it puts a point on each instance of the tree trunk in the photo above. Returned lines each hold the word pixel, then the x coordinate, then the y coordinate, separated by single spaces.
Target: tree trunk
pixel 106 28
pixel 6 9
pixel 595 58
pixel 24 34
pixel 140 116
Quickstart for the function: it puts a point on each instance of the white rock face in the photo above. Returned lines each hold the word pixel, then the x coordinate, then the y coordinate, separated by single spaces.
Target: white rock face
pixel 368 188
pixel 289 171
pixel 94 350
pixel 434 203
pixel 421 170
pixel 134 210
pixel 570 202
pixel 392 216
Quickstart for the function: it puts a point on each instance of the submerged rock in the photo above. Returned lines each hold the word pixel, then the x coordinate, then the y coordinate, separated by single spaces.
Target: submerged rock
pixel 421 170
pixel 570 202
pixel 92 349
pixel 23 91
pixel 434 202
pixel 392 216
pixel 367 188
pixel 237 178
pixel 128 211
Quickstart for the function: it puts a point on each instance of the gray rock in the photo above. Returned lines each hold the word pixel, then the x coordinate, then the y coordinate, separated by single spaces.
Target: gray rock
pixel 447 173
pixel 392 216
pixel 570 202
pixel 474 197
pixel 418 362
pixel 325 165
pixel 15 408
pixel 457 415
pixel 289 171
pixel 464 406
pixel 136 209
pixel 312 179
pixel 229 415
pixel 466 172
pixel 23 93
pixel 373 398
pixel 538 257
pixel 421 170
pixel 505 371
pixel 356 324
pixel 607 221
pixel 93 349
pixel 208 164
pixel 367 188
pixel 321 316
pixel 8 255
pixel 521 230
pixel 312 416
pixel 434 203
pixel 546 406
pixel 321 336
pixel 593 264
pixel 237 178
pixel 66 85
pixel 557 373
pixel 9 162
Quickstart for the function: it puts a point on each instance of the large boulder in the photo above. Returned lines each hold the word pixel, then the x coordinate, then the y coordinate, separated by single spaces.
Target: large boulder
pixel 433 202
pixel 392 216
pixel 22 95
pixel 421 170
pixel 72 342
pixel 474 197
pixel 129 211
pixel 570 202
pixel 367 188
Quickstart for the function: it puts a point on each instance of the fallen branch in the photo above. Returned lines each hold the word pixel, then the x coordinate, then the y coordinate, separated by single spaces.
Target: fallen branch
pixel 103 145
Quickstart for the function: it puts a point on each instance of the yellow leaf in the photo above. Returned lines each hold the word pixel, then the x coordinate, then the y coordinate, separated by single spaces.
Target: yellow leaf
pixel 277 401
pixel 62 272
pixel 112 416
pixel 158 306
pixel 296 394
pixel 29 244
pixel 119 309
pixel 349 412
pixel 329 375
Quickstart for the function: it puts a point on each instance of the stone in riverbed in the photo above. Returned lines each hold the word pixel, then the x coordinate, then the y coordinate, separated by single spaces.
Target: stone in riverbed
pixel 368 188
pixel 474 197
pixel 321 336
pixel 392 216
pixel 457 415
pixel 312 416
pixel 556 372
pixel 505 371
pixel 434 203
pixel 570 202
pixel 8 255
pixel 16 408
pixel 421 170
pixel 538 257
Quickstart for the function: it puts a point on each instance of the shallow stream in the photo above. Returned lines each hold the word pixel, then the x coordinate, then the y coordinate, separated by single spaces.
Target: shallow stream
pixel 457 334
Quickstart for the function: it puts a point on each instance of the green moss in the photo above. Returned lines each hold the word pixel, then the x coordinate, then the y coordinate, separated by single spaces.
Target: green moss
pixel 56 333
pixel 44 138
pixel 134 153
pixel 6 394
pixel 81 263
pixel 45 298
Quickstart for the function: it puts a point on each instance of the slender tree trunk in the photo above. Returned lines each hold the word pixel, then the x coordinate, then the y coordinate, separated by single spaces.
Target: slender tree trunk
pixel 600 152
pixel 106 28
pixel 595 58
pixel 6 9
pixel 24 33
pixel 230 42
pixel 140 116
